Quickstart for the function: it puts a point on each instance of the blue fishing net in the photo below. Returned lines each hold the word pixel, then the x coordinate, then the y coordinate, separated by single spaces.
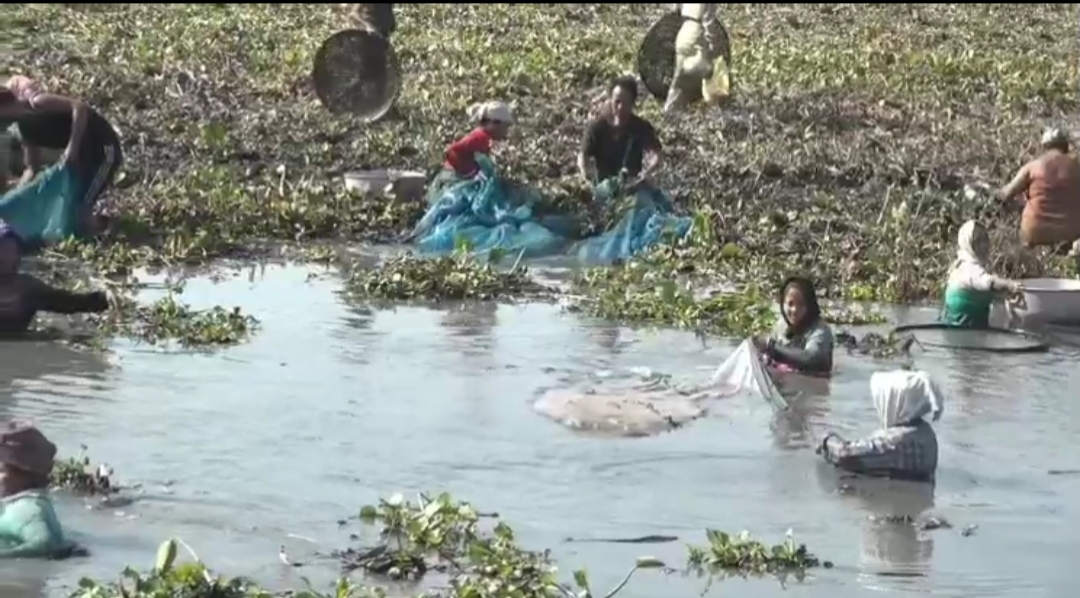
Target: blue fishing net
pixel 46 210
pixel 645 219
pixel 488 213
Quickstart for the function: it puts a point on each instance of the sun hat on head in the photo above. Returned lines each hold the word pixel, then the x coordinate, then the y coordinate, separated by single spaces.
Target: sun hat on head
pixel 1054 135
pixel 24 446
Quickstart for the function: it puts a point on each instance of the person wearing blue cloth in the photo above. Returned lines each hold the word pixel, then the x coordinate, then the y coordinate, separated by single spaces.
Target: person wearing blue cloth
pixel 29 527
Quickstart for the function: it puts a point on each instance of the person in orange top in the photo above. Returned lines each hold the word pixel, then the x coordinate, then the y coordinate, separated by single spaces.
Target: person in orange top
pixel 1051 184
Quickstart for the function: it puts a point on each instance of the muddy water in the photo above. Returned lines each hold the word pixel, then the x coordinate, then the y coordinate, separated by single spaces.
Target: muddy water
pixel 332 406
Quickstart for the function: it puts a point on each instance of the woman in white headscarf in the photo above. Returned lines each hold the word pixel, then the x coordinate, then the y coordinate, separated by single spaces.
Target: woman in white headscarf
pixel 492 122
pixel 971 289
pixel 905 447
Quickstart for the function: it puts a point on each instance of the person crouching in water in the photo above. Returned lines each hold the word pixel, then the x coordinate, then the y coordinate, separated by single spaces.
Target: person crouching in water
pixel 29 527
pixel 971 289
pixel 493 121
pixel 90 144
pixel 906 446
pixel 801 341
pixel 22 295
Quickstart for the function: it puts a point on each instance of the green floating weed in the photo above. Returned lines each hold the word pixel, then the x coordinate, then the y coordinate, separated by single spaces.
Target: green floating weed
pixel 77 475
pixel 167 319
pixel 744 555
pixel 446 278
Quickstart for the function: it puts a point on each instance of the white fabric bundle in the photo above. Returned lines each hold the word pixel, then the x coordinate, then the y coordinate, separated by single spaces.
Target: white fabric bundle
pixel 745 371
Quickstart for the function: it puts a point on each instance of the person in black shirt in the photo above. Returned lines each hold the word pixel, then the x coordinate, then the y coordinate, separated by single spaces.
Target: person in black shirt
pixel 618 143
pixel 90 145
pixel 23 295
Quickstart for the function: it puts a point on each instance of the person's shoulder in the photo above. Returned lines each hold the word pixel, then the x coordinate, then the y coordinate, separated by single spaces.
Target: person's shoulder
pixel 641 123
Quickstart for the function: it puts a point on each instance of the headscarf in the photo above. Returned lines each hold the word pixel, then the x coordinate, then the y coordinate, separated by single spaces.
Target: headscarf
pixel 495 111
pixel 965 249
pixel 23 88
pixel 903 396
pixel 813 310
pixel 25 447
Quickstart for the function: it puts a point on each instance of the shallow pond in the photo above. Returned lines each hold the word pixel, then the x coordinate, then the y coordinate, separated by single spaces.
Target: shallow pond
pixel 332 406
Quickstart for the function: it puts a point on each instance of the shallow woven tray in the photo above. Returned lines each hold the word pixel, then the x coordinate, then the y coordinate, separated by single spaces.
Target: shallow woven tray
pixel 656 55
pixel 357 72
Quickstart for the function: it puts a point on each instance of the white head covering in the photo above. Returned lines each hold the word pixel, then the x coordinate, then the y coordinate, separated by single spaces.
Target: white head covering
pixel 494 110
pixel 965 251
pixel 903 396
pixel 1055 135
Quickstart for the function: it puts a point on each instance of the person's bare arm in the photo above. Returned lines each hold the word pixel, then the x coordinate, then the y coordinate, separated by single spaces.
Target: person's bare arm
pixel 1019 184
pixel 80 116
pixel 586 168
pixel 31 163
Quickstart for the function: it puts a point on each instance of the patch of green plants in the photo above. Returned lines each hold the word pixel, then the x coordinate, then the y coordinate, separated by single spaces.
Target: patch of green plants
pixel 78 475
pixel 455 277
pixel 169 320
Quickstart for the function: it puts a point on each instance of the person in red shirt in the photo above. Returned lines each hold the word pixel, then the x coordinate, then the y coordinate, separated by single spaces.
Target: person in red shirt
pixel 493 124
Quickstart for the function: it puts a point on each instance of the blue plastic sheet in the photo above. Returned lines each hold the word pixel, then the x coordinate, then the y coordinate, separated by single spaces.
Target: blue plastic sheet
pixel 646 219
pixel 489 214
pixel 46 210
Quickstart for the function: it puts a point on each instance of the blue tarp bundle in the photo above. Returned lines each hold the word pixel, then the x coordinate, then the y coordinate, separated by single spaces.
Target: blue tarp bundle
pixel 45 211
pixel 488 214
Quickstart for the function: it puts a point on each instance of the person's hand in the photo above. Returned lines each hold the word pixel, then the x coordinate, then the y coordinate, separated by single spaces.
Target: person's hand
pixel 27 176
pixel 1015 287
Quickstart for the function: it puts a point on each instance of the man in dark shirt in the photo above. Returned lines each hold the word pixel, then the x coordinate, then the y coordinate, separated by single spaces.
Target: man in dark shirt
pixel 619 142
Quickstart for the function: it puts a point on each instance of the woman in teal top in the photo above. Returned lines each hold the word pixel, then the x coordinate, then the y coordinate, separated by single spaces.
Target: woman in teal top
pixel 971 289
pixel 29 527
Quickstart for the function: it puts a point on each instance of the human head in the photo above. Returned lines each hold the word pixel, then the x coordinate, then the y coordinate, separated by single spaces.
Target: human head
pixel 972 242
pixel 26 456
pixel 903 396
pixel 10 249
pixel 799 303
pixel 624 94
pixel 1055 138
pixel 495 117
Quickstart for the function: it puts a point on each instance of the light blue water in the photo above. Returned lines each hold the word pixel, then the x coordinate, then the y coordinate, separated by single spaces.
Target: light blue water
pixel 331 406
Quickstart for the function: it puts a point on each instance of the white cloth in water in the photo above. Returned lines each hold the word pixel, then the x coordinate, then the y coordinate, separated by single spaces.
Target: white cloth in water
pixel 903 396
pixel 745 371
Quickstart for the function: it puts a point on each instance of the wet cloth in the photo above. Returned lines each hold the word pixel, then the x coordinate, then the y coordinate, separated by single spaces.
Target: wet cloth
pixel 745 371
pixel 969 292
pixel 46 210
pixel 905 447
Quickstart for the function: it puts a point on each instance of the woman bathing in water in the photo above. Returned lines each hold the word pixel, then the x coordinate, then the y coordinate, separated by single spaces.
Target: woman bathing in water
pixel 29 527
pixel 22 295
pixel 802 340
pixel 90 145
pixel 971 289
pixel 906 446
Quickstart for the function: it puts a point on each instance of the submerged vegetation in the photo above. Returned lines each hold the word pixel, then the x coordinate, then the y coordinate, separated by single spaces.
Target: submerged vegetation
pixel 442 534
pixel 851 157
